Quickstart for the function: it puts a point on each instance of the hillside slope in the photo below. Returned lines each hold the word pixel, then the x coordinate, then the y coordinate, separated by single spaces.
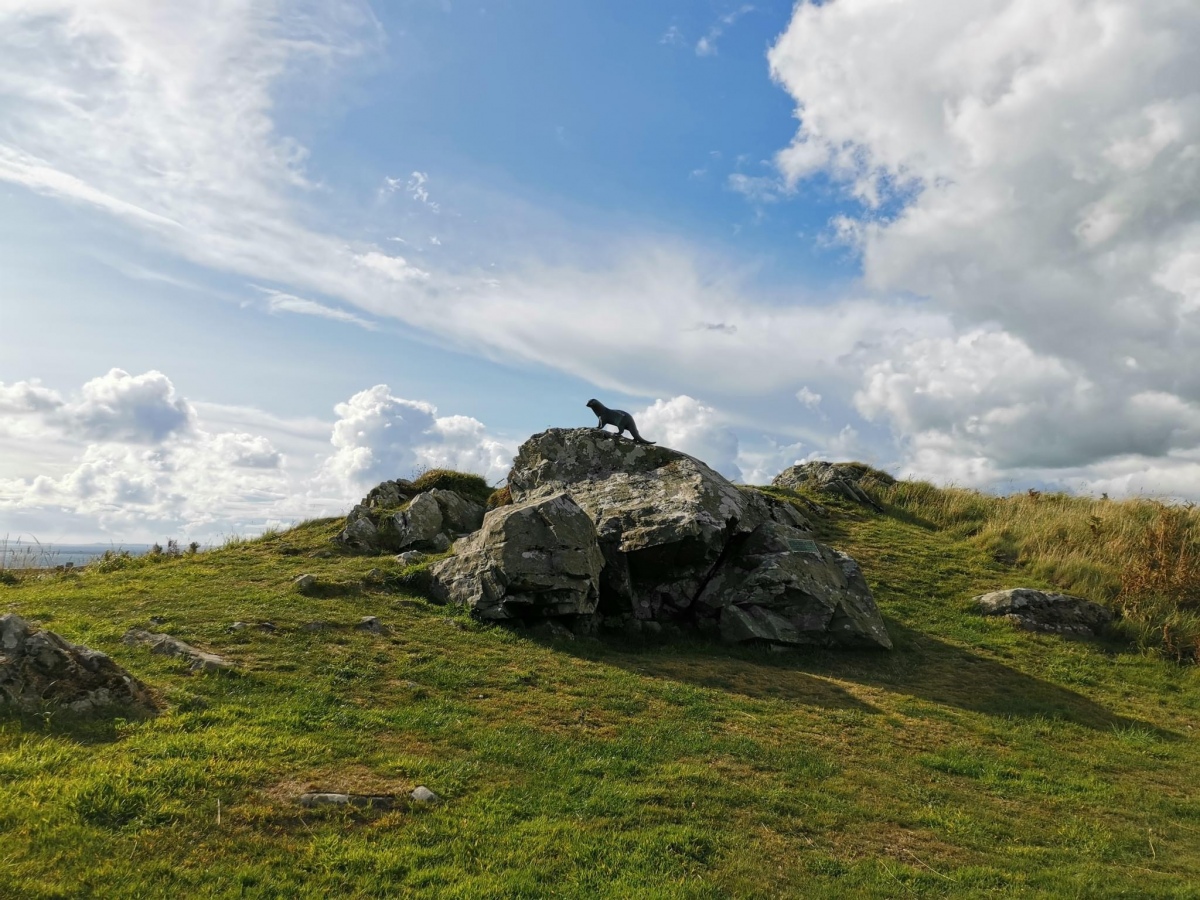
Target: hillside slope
pixel 972 760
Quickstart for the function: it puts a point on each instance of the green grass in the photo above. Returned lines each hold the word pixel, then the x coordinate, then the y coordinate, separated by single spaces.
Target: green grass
pixel 973 760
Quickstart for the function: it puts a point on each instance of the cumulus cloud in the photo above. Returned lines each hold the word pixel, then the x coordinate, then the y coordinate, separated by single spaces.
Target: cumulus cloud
pixel 685 423
pixel 379 436
pixel 109 462
pixel 985 402
pixel 113 407
pixel 1031 168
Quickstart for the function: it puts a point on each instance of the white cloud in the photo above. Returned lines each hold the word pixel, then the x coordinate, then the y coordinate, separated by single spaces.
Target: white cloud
pixel 1024 166
pixel 278 301
pixel 808 397
pixel 707 45
pixel 988 399
pixel 672 37
pixel 684 423
pixel 379 436
pixel 757 188
pixel 108 463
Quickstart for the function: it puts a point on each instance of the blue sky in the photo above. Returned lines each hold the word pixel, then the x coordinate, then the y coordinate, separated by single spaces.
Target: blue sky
pixel 258 254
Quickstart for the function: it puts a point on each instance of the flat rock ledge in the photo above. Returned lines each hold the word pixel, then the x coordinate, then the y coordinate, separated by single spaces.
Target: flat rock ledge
pixel 1051 613
pixel 39 669
pixel 198 660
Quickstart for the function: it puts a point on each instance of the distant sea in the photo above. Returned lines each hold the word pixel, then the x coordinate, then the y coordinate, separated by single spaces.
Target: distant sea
pixel 47 556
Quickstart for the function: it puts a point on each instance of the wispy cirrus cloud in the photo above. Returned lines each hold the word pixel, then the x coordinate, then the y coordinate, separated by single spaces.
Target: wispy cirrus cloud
pixel 280 302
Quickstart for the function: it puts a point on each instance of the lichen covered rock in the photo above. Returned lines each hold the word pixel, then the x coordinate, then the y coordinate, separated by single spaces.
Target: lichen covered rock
pixel 38 669
pixel 530 560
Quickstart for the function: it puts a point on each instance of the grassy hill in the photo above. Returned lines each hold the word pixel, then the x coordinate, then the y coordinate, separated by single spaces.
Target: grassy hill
pixel 973 760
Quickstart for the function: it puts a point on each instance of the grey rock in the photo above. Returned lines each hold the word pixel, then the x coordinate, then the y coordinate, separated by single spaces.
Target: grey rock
pixel 460 515
pixel 304 583
pixel 239 626
pixel 198 660
pixel 411 557
pixel 389 494
pixel 782 587
pixel 529 560
pixel 440 543
pixel 1047 612
pixel 417 523
pixel 371 624
pixel 847 480
pixel 676 543
pixel 422 794
pixel 361 801
pixel 38 669
pixel 662 518
pixel 360 533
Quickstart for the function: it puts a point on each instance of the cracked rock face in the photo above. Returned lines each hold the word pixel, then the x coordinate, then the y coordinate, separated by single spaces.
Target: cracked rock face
pixel 395 517
pixel 38 668
pixel 682 544
pixel 530 560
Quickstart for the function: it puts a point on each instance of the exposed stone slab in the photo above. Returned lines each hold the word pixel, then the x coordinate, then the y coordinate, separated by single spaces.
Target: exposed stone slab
pixel 198 660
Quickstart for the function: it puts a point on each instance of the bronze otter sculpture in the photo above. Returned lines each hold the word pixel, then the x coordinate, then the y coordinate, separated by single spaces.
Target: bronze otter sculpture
pixel 618 418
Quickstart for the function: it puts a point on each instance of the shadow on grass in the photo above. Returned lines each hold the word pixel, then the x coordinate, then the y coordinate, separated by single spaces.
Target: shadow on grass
pixel 102 727
pixel 921 666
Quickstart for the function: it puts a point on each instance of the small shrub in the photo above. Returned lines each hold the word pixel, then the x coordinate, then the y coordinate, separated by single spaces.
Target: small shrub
pixel 112 561
pixel 502 497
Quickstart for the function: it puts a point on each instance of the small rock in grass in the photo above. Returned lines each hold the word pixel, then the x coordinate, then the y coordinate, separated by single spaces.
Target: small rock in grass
pixel 375 575
pixel 239 626
pixel 411 557
pixel 158 620
pixel 304 583
pixel 422 794
pixel 316 626
pixel 371 624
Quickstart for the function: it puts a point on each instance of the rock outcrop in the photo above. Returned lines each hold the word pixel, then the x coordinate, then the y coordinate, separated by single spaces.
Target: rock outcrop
pixel 679 543
pixel 397 516
pixel 839 479
pixel 38 668
pixel 530 560
pixel 1046 612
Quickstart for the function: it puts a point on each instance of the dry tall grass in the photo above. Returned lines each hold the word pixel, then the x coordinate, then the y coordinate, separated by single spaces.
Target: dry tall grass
pixel 1142 557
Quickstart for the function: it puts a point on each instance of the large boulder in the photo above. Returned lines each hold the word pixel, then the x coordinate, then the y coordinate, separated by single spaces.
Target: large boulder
pixel 682 544
pixel 1048 612
pixel 663 518
pixel 849 480
pixel 38 668
pixel 782 587
pixel 530 560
